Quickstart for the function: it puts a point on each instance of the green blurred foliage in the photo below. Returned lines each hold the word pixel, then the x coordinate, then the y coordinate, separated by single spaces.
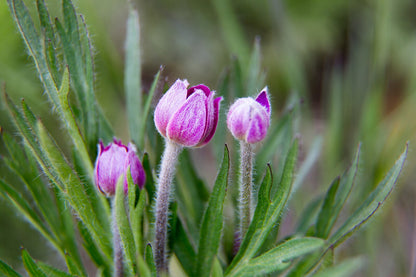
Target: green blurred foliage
pixel 352 63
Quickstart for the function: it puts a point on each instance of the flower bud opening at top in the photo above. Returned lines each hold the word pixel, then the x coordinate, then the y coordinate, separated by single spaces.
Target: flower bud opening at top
pixel 187 117
pixel 112 162
pixel 248 119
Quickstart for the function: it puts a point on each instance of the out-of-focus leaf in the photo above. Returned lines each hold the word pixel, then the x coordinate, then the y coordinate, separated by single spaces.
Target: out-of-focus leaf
pixel 26 210
pixel 371 204
pixel 73 267
pixel 308 216
pixel 345 268
pixel 92 250
pixel 50 271
pixel 335 199
pixel 132 78
pixel 278 256
pixel 217 269
pixel 267 212
pixel 31 267
pixel 179 241
pixel 255 79
pixel 7 270
pixel 210 232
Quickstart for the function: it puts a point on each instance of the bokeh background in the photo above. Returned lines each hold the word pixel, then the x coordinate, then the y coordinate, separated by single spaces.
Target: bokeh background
pixel 352 64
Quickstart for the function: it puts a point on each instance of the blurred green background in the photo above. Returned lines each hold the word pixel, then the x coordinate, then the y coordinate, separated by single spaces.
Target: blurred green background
pixel 353 64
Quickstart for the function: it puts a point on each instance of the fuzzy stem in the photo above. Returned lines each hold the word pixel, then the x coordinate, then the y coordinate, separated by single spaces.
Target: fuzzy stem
pixel 117 248
pixel 246 179
pixel 167 172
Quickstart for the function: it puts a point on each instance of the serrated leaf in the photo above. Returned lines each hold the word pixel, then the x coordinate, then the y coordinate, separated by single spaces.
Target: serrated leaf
pixel 210 232
pixel 371 204
pixel 335 199
pixel 31 267
pixel 150 260
pixel 132 78
pixel 123 225
pixel 280 255
pixel 7 270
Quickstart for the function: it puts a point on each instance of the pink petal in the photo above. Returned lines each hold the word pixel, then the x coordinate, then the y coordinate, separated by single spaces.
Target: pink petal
pixel 212 122
pixel 187 125
pixel 259 125
pixel 169 104
pixel 263 100
pixel 202 87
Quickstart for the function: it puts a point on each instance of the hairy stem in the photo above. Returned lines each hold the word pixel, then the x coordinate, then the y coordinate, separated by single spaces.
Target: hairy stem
pixel 167 172
pixel 117 248
pixel 246 179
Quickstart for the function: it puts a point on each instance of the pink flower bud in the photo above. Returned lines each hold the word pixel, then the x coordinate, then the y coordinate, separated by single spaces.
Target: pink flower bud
pixel 113 162
pixel 249 119
pixel 188 117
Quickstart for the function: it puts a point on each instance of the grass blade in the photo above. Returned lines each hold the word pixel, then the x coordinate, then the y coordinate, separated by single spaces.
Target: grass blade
pixel 210 232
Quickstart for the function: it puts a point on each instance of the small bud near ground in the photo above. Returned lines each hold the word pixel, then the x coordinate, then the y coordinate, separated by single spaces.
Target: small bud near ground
pixel 113 161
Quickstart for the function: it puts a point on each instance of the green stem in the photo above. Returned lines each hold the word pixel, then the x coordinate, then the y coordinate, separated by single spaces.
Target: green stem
pixel 167 172
pixel 246 179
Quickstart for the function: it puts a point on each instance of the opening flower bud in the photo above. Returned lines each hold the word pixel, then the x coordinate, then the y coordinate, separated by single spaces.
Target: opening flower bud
pixel 188 117
pixel 112 162
pixel 248 119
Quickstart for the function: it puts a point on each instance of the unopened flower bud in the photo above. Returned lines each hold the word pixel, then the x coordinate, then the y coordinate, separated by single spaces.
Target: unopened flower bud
pixel 187 117
pixel 248 119
pixel 112 162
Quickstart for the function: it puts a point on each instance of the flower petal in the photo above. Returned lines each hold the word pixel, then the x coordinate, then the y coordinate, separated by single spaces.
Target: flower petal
pixel 169 104
pixel 202 87
pixel 259 124
pixel 263 99
pixel 212 121
pixel 187 125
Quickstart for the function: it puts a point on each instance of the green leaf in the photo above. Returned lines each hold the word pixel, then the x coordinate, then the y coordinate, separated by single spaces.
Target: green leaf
pixel 92 250
pixel 136 209
pixel 179 241
pixel 53 272
pixel 123 224
pixel 280 255
pixel 62 174
pixel 345 268
pixel 150 260
pixel 147 106
pixel 132 78
pixel 335 199
pixel 254 78
pixel 212 222
pixel 371 203
pixel 73 267
pixel 7 270
pixel 323 223
pixel 217 269
pixel 31 267
pixel 308 216
pixel 35 46
pixel 26 210
pixel 267 212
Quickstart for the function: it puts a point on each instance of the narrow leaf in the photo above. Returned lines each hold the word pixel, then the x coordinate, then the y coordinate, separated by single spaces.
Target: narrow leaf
pixel 53 272
pixel 150 260
pixel 283 253
pixel 31 267
pixel 7 270
pixel 345 268
pixel 123 224
pixel 212 222
pixel 371 204
pixel 323 224
pixel 132 78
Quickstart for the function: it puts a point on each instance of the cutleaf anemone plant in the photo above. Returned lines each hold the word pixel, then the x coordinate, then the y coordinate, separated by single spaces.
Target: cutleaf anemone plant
pixel 148 228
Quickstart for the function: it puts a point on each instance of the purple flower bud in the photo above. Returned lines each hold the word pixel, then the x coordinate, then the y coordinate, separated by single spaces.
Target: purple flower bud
pixel 113 161
pixel 249 119
pixel 188 117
